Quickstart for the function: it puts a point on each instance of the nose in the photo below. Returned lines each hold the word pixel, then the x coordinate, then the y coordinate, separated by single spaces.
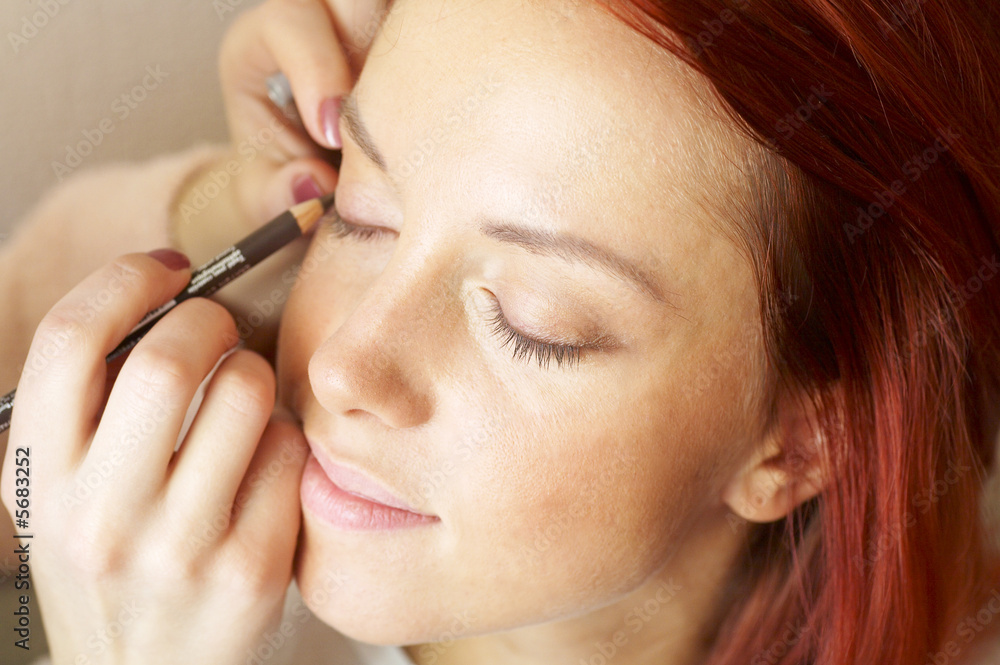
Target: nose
pixel 376 361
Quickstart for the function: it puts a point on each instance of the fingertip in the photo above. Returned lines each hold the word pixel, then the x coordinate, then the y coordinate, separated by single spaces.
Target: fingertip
pixel 305 188
pixel 170 258
pixel 298 181
pixel 329 120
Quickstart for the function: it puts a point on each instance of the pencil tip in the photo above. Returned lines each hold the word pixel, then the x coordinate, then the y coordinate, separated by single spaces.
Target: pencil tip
pixel 327 201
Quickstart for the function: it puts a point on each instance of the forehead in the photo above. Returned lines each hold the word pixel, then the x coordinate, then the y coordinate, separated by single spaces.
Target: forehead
pixel 552 113
pixel 513 76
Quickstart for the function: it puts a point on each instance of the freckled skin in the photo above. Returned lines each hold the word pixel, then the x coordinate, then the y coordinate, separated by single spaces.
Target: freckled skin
pixel 568 495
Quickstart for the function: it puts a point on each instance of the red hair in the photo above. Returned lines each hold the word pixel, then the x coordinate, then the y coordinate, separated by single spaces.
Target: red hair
pixel 879 208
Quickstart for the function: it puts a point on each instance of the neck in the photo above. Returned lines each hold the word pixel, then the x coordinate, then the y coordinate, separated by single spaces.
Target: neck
pixel 666 620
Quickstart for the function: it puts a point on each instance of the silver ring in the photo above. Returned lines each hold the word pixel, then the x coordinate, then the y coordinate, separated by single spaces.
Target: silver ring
pixel 279 91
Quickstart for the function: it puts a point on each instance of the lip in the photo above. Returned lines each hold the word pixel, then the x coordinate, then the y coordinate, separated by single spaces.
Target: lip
pixel 349 499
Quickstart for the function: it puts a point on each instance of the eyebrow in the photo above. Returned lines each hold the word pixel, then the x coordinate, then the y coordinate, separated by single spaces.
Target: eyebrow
pixel 359 132
pixel 562 245
pixel 571 247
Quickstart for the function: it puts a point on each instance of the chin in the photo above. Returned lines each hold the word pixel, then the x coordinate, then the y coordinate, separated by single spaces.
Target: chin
pixel 353 612
pixel 362 601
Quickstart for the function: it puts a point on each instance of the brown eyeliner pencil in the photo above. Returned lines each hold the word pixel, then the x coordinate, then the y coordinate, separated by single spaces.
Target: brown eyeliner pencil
pixel 218 272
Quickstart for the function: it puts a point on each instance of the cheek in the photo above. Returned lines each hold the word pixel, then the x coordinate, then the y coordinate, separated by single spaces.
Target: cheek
pixel 572 510
pixel 295 347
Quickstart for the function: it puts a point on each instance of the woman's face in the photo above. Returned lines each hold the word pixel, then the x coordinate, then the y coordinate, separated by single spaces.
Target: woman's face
pixel 541 169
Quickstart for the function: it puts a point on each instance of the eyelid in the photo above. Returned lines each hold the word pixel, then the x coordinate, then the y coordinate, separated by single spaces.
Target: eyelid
pixel 363 201
pixel 526 346
pixel 588 335
pixel 342 228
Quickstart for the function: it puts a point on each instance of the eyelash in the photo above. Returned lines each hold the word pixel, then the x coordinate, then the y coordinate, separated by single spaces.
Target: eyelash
pixel 342 229
pixel 524 347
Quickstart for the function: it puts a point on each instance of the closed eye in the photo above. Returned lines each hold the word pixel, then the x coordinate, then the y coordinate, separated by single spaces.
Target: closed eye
pixel 344 229
pixel 525 347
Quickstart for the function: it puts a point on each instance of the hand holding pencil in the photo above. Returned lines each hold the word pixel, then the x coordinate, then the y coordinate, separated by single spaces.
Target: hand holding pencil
pixel 109 492
pixel 218 272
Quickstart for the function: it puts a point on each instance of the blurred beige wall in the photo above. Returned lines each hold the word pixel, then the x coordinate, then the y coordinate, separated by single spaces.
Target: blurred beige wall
pixel 65 66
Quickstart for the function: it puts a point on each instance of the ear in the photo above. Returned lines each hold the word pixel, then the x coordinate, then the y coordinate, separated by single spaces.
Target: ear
pixel 785 470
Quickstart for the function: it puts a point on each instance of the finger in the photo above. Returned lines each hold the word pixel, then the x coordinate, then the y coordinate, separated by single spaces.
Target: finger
pixel 299 38
pixel 62 386
pixel 211 464
pixel 269 190
pixel 267 507
pixel 358 21
pixel 148 404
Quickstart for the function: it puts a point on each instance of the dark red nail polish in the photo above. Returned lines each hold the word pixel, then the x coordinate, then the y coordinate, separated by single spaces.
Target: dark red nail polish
pixel 171 258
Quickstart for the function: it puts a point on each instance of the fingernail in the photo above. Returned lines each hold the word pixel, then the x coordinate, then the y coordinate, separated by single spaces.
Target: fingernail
pixel 305 188
pixel 329 120
pixel 171 258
